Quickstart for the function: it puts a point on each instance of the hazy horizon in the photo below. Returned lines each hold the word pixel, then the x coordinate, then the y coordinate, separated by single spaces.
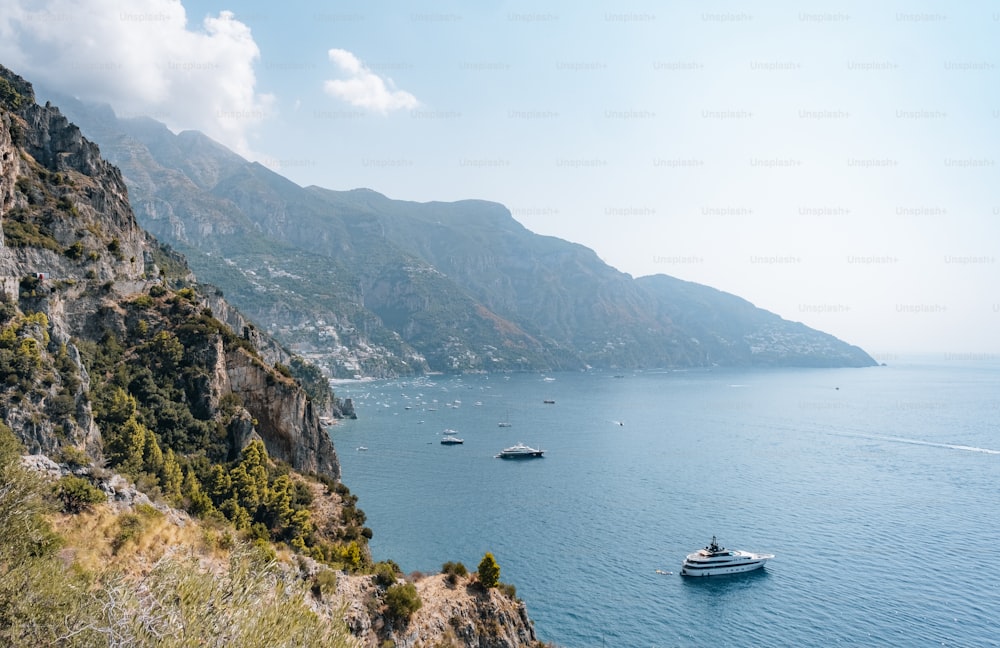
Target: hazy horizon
pixel 834 166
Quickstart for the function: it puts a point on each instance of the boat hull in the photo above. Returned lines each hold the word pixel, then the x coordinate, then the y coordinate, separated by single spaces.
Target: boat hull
pixel 721 570
pixel 520 455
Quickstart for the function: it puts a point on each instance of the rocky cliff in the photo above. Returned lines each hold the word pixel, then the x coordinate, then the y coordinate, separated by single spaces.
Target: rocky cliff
pixel 73 251
pixel 452 614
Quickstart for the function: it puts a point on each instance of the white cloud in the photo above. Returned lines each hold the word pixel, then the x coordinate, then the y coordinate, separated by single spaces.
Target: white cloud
pixel 364 88
pixel 141 57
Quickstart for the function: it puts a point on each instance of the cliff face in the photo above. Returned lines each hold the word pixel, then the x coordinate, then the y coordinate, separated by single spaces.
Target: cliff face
pixel 73 251
pixel 460 614
pixel 292 431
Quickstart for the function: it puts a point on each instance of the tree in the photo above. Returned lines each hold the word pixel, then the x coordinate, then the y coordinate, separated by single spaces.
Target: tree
pixel 489 571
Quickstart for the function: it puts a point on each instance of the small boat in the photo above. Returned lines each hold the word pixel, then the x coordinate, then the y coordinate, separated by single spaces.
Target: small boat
pixel 549 402
pixel 451 439
pixel 362 448
pixel 715 560
pixel 506 421
pixel 520 451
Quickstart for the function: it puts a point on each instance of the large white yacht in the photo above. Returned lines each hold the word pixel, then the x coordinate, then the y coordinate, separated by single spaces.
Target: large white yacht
pixel 714 560
pixel 520 451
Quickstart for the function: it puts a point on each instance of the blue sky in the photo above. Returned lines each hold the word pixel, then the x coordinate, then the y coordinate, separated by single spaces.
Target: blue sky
pixel 834 163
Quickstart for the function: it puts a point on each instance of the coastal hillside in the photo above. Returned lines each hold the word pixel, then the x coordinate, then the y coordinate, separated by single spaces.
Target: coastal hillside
pixel 367 285
pixel 155 442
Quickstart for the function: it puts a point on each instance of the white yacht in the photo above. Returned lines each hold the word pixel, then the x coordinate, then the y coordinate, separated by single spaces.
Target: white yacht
pixel 520 451
pixel 451 439
pixel 714 560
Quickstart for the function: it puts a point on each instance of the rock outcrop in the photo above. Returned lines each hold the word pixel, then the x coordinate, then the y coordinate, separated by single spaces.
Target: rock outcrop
pixel 460 614
pixel 284 416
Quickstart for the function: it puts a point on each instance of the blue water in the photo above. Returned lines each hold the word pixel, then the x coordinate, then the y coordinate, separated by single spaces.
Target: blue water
pixel 877 489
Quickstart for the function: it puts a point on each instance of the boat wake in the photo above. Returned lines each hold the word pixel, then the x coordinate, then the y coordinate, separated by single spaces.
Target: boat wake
pixel 933 444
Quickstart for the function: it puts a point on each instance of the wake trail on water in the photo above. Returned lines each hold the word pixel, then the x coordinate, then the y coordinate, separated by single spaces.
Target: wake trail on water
pixel 895 439
pixel 933 444
pixel 950 446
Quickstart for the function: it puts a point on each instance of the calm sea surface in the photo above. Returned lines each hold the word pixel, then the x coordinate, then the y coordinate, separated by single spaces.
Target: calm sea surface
pixel 877 489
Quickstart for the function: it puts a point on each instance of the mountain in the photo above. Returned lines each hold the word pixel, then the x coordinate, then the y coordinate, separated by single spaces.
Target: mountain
pixel 364 284
pixel 165 478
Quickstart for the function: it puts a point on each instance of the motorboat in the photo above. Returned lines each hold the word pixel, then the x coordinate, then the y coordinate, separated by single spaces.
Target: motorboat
pixel 715 560
pixel 451 439
pixel 520 451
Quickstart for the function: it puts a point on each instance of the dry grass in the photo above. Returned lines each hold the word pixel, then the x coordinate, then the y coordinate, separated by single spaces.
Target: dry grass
pixel 97 542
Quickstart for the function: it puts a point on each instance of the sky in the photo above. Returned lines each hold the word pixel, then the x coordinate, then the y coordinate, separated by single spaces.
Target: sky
pixel 835 163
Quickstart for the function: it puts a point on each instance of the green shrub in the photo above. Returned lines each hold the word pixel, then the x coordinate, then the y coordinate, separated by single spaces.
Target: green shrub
pixel 325 583
pixel 72 457
pixel 74 251
pixel 143 301
pixel 385 574
pixel 77 494
pixel 130 527
pixel 453 571
pixel 402 601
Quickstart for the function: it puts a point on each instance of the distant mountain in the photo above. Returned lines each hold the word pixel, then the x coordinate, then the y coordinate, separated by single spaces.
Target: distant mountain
pixel 364 284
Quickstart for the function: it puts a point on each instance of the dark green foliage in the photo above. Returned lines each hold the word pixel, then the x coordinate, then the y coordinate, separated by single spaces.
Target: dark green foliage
pixel 18 232
pixel 324 583
pixel 77 494
pixel 74 251
pixel 386 574
pixel 401 601
pixel 453 571
pixel 143 301
pixel 65 203
pixel 61 406
pixel 115 248
pixel 489 571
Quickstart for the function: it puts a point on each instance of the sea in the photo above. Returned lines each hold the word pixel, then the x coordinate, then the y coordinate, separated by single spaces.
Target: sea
pixel 877 489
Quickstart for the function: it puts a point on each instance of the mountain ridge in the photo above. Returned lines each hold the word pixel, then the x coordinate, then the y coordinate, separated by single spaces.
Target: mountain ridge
pixel 406 287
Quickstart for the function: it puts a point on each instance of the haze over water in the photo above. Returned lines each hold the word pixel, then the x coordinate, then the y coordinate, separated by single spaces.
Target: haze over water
pixel 875 488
